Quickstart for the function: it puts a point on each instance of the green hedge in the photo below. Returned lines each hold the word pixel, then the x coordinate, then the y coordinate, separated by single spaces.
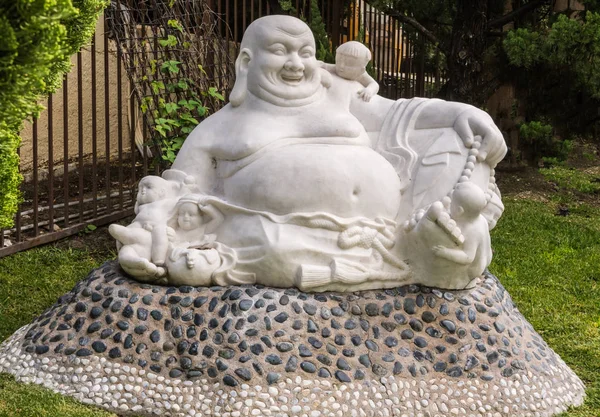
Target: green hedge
pixel 37 40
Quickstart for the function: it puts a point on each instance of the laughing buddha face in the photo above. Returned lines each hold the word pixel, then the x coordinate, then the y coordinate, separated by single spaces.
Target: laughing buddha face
pixel 281 61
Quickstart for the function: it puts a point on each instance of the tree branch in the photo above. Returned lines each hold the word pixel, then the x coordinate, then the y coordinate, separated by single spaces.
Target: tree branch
pixel 412 22
pixel 507 18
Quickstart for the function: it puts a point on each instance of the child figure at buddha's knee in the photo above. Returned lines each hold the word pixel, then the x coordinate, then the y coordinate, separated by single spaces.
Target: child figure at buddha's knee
pixel 194 221
pixel 144 243
pixel 351 59
pixel 475 253
pixel 189 261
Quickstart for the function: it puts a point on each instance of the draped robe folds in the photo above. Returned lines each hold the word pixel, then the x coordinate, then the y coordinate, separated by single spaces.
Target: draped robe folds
pixel 273 248
pixel 283 178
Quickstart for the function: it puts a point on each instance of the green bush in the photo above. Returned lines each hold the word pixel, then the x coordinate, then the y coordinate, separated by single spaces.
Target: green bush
pixel 9 174
pixel 539 142
pixel 37 41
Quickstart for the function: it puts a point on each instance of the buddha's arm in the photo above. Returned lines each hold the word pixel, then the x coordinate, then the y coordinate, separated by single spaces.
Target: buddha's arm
pixel 468 121
pixel 195 159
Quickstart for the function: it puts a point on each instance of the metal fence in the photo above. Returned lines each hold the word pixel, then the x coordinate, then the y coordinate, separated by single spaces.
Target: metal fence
pixel 79 158
pixel 83 158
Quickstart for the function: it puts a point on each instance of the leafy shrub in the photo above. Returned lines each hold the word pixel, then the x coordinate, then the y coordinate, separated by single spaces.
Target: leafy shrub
pixel 539 142
pixel 37 41
pixel 178 99
pixel 567 43
pixel 9 174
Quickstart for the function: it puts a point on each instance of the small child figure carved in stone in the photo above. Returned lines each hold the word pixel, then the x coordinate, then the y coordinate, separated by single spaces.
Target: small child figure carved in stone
pixel 475 253
pixel 144 243
pixel 189 262
pixel 351 59
pixel 194 221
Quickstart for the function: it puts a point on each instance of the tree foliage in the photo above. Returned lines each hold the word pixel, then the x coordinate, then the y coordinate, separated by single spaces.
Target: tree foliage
pixel 556 66
pixel 551 57
pixel 37 41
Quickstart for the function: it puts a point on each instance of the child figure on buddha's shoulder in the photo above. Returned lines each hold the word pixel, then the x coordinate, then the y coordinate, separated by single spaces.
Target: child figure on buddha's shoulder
pixel 351 59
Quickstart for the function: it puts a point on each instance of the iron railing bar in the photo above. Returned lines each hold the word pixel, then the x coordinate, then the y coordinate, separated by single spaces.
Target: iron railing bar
pixel 94 126
pixel 66 145
pixel 132 131
pixel 107 111
pixel 244 15
pixel 80 131
pixel 380 46
pixel 235 22
pixel 227 32
pixel 120 120
pixel 390 44
pixel 145 154
pixel 397 45
pixel 50 164
pixel 36 229
pixel 18 214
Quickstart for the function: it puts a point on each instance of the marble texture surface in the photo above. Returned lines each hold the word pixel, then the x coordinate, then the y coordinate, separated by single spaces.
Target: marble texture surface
pixel 309 179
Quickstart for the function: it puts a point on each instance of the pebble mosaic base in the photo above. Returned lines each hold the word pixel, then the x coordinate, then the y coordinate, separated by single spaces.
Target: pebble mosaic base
pixel 256 351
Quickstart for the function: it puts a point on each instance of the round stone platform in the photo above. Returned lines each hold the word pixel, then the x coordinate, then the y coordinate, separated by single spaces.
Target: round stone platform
pixel 252 351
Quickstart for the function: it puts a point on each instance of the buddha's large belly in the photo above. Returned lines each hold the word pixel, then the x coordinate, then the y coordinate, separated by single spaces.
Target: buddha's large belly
pixel 344 180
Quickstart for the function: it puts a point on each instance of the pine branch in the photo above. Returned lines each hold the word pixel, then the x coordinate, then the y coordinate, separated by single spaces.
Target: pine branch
pixel 507 18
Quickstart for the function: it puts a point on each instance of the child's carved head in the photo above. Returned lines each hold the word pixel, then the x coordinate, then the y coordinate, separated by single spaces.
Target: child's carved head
pixel 151 189
pixel 468 200
pixel 189 216
pixel 351 59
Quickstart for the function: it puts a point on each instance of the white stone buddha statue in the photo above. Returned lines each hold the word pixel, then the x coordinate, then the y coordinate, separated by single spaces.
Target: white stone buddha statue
pixel 314 182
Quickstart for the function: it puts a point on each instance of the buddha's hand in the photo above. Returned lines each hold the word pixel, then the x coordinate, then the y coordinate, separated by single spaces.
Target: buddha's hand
pixel 473 122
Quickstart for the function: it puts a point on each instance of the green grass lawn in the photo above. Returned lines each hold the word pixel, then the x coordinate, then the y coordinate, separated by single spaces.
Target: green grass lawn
pixel 549 264
pixel 30 282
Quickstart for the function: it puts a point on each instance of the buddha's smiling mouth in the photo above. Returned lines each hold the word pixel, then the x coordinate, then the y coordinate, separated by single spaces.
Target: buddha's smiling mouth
pixel 292 79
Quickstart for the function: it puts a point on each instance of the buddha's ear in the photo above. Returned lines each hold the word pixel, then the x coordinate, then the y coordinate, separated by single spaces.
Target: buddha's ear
pixel 240 88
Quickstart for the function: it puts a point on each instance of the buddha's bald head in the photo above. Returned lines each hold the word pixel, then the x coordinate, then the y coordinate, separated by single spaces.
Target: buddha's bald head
pixel 261 29
pixel 277 62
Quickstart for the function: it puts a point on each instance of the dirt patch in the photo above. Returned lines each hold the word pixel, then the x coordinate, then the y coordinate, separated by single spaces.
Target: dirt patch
pixel 524 181
pixel 98 242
